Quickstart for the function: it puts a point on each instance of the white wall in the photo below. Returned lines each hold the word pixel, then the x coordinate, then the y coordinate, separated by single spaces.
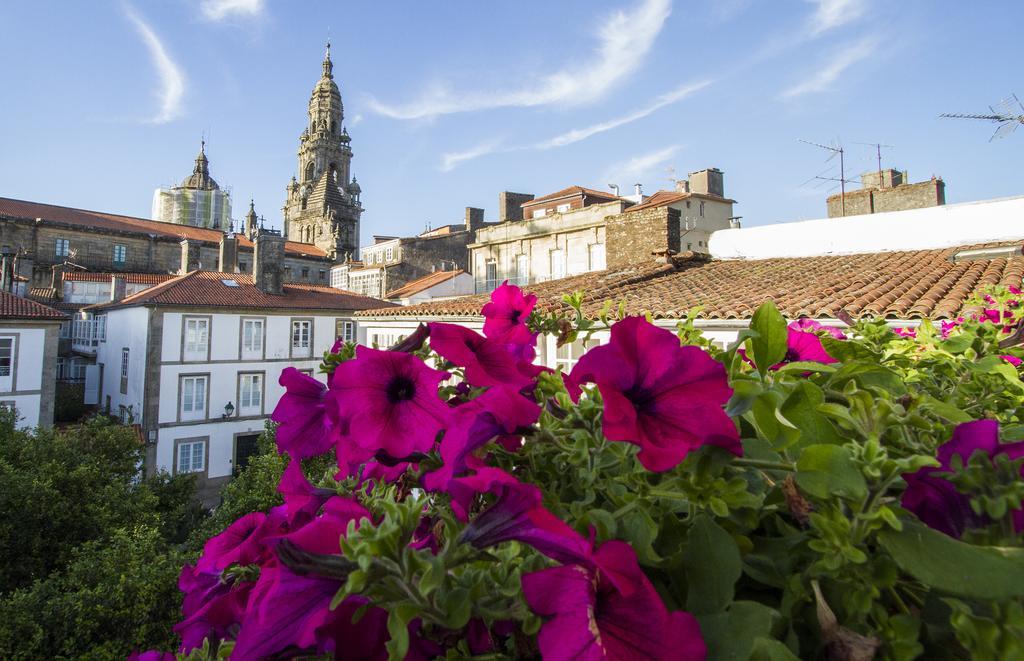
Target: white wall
pixel 23 386
pixel 460 285
pixel 916 229
pixel 127 327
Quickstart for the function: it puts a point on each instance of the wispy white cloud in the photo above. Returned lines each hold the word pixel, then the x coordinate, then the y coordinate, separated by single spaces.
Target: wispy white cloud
pixel 576 135
pixel 637 167
pixel 218 10
pixel 355 119
pixel 831 14
pixel 624 40
pixel 171 89
pixel 823 78
pixel 451 160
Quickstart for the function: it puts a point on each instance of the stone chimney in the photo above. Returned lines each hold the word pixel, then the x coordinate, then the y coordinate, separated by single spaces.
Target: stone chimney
pixel 228 261
pixel 268 263
pixel 189 257
pixel 118 288
pixel 641 237
pixel 57 281
pixel 708 182
pixel 682 185
pixel 510 205
pixel 474 218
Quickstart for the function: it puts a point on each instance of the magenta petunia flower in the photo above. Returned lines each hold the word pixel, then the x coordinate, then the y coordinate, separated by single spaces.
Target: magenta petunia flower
pixel 304 427
pixel 151 655
pixel 464 490
pixel 518 515
pixel 240 543
pixel 608 610
pixel 659 395
pixel 936 501
pixel 1013 360
pixel 815 327
pixel 505 316
pixel 496 414
pixel 905 332
pixel 211 608
pixel 804 345
pixel 388 401
pixel 302 500
pixel 487 362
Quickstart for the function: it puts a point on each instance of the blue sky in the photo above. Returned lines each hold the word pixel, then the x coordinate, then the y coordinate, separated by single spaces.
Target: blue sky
pixel 449 103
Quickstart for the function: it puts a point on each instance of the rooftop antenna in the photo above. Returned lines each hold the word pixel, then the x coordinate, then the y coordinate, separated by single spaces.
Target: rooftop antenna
pixel 1007 113
pixel 671 174
pixel 836 150
pixel 878 155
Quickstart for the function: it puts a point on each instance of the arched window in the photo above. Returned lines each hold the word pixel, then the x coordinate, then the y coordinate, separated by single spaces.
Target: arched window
pixel 334 126
pixel 310 169
pixel 333 169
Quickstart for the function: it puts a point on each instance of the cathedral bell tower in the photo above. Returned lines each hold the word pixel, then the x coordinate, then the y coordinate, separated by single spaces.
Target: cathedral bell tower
pixel 323 206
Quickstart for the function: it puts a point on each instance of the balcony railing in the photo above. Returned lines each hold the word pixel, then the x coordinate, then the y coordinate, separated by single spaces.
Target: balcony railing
pixel 86 334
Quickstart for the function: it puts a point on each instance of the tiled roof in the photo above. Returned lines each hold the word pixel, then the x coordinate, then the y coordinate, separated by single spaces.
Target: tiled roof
pixel 572 190
pixel 129 278
pixel 99 220
pixel 902 285
pixel 426 282
pixel 16 307
pixel 207 289
pixel 664 197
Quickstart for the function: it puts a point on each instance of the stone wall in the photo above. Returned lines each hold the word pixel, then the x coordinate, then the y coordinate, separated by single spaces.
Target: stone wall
pixel 510 205
pixel 641 236
pixel 899 198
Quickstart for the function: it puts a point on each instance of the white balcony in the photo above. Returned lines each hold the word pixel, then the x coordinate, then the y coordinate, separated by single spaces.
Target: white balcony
pixel 87 333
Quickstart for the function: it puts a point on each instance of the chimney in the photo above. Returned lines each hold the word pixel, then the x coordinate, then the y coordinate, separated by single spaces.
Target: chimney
pixel 268 267
pixel 708 182
pixel 57 281
pixel 682 185
pixel 638 190
pixel 189 257
pixel 474 218
pixel 228 262
pixel 510 205
pixel 117 288
pixel 642 237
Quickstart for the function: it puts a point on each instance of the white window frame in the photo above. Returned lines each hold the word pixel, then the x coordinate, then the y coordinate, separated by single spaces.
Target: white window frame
pixel 301 342
pixel 122 251
pixel 389 254
pixel 562 208
pixel 250 393
pixel 567 355
pixel 62 247
pixel 195 339
pixel 522 270
pixel 347 328
pixel 597 264
pixel 557 258
pixel 193 402
pixel 8 370
pixel 252 344
pixel 195 451
pixel 539 213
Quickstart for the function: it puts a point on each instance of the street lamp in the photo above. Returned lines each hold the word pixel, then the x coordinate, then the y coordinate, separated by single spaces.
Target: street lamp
pixel 229 410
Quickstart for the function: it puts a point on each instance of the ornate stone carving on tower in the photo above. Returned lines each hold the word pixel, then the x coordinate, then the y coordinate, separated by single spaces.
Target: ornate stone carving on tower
pixel 323 206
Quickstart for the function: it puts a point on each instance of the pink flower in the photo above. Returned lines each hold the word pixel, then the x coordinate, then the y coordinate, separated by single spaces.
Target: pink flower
pixel 211 608
pixel 608 611
pixel 151 655
pixel 241 543
pixel 1013 360
pixel 804 345
pixel 659 395
pixel 947 326
pixel 388 401
pixel 936 501
pixel 905 332
pixel 487 362
pixel 814 326
pixel 505 316
pixel 304 427
pixel 518 515
pixel 302 500
pixel 496 414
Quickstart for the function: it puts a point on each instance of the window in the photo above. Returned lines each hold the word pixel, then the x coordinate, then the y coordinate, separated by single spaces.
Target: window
pixel 345 330
pixel 197 338
pixel 191 456
pixel 562 208
pixel 491 274
pixel 523 270
pixel 62 369
pixel 6 355
pixel 120 254
pixel 305 273
pixel 124 371
pixel 62 247
pixel 302 332
pixel 567 354
pixel 557 264
pixel 193 397
pixel 242 267
pixel 323 275
pixel 597 261
pixel 250 394
pixel 702 208
pixel 252 338
pixel 539 213
pixel 389 254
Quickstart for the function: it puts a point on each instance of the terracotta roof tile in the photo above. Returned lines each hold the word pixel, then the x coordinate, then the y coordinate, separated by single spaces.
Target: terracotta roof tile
pixel 16 307
pixel 426 282
pixel 111 221
pixel 129 278
pixel 904 285
pixel 572 190
pixel 207 289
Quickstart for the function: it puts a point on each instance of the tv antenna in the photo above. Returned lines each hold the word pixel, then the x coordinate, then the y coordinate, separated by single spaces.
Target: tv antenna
pixel 1007 113
pixel 836 151
pixel 878 155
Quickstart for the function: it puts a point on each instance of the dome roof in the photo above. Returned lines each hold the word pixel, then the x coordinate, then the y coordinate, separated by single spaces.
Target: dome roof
pixel 200 178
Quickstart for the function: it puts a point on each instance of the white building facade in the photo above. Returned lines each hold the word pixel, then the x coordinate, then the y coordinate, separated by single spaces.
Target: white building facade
pixel 28 359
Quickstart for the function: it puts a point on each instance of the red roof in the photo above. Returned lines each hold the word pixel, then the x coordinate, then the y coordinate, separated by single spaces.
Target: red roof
pixel 571 191
pixel 129 278
pixel 208 289
pixel 426 282
pixel 16 307
pixel 664 197
pixel 100 220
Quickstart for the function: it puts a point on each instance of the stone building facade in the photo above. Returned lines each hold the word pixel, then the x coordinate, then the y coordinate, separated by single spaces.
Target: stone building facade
pixel 887 190
pixel 322 207
pixel 198 201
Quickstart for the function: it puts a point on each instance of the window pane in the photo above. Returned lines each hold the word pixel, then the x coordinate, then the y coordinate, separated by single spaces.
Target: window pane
pixel 188 388
pixel 200 396
pixel 6 355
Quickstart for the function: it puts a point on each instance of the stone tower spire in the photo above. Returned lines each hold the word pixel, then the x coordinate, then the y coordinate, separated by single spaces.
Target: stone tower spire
pixel 200 178
pixel 250 228
pixel 322 208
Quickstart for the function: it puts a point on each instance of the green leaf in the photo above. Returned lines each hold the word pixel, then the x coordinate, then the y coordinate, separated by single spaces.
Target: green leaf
pixel 398 628
pixel 867 375
pixel 769 649
pixel 823 470
pixel 731 636
pixel 769 347
pixel 744 394
pixel 640 530
pixel 944 410
pixel 713 566
pixel 801 408
pixel 457 608
pixel 846 350
pixel 807 366
pixel 603 522
pixel 955 567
